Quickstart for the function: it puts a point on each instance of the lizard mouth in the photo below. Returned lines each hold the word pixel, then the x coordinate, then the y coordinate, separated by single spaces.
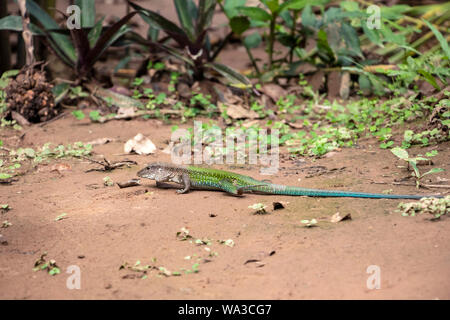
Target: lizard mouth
pixel 142 173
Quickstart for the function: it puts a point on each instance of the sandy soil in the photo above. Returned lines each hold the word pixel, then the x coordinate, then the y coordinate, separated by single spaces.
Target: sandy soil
pixel 274 256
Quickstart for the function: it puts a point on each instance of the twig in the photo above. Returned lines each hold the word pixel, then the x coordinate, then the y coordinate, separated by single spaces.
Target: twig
pixel 20 119
pixel 26 34
pixel 62 115
pixel 139 114
pixel 130 183
pixel 108 166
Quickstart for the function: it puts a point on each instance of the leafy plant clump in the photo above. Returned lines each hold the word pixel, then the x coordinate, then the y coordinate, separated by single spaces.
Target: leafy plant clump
pixel 192 36
pixel 434 206
pixel 78 48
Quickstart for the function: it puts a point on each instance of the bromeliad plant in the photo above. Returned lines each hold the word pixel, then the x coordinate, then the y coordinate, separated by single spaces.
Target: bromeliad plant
pixel 192 37
pixel 79 48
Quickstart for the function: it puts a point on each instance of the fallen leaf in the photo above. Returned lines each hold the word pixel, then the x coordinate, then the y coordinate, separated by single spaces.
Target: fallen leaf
pixel 274 91
pixel 337 217
pixel 235 111
pixel 140 145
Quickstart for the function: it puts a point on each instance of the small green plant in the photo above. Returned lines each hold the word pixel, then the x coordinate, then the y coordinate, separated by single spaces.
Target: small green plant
pixel 4 80
pixel 78 114
pixel 434 206
pixel 403 155
pixel 259 208
pixel 6 224
pixel 107 182
pixel 51 266
pixel 192 35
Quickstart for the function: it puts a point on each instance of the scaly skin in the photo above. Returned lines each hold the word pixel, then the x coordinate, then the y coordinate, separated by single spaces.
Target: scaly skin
pixel 191 177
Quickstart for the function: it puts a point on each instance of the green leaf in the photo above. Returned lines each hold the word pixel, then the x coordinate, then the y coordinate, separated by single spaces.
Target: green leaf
pixel 299 4
pixel 393 12
pixel 434 170
pixel 256 13
pixel 364 84
pixel 60 91
pixel 61 41
pixel 94 115
pixel 442 41
pixel 400 153
pixel 349 5
pixel 372 34
pixel 429 78
pixel 205 14
pixel 324 47
pixel 231 7
pixel 253 40
pixel 95 32
pixel 273 5
pixel 14 23
pixel 78 114
pixel 239 24
pixel 108 38
pixel 87 12
pixel 351 38
pixel 308 18
pixel 230 74
pixel 185 8
pixel 155 19
pixel 4 176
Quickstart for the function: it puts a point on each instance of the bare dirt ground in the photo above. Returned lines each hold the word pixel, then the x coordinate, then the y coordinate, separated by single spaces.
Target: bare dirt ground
pixel 274 256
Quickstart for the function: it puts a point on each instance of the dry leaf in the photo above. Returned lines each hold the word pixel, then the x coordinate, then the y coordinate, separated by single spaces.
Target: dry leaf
pixel 274 91
pixel 238 112
pixel 337 217
pixel 140 145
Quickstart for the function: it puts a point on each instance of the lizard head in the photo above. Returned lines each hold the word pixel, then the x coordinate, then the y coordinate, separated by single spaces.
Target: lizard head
pixel 155 171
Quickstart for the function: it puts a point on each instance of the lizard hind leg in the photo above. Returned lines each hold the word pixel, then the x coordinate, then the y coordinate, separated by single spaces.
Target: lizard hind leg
pixel 229 187
pixel 242 189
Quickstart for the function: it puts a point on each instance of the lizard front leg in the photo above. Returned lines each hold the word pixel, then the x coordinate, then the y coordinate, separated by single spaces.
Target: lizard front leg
pixel 186 182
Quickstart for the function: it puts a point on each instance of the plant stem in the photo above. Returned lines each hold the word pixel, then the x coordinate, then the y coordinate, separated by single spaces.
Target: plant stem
pixel 271 39
pixel 294 20
pixel 27 36
pixel 252 59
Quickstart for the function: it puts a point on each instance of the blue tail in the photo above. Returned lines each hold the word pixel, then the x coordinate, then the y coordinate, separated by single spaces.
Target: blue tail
pixel 297 191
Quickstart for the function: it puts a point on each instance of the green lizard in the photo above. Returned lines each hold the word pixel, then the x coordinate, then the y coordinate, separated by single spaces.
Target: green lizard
pixel 191 177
